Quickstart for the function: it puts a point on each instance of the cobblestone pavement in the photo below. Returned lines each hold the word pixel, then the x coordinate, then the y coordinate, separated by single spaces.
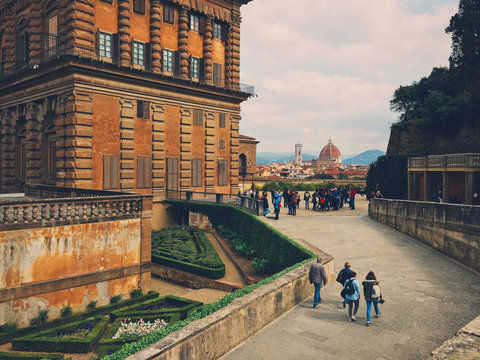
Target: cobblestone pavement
pixel 428 295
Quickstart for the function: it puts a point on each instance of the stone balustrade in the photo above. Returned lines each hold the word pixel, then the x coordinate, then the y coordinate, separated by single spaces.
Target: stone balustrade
pixel 445 161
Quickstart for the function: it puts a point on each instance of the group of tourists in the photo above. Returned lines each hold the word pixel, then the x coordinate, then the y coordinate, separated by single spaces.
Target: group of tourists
pixel 350 289
pixel 333 198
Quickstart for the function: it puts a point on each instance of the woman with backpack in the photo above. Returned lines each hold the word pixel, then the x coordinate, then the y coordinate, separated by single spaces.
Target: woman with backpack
pixel 352 294
pixel 372 294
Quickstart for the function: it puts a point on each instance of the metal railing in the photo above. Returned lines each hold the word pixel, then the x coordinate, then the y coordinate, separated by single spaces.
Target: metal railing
pixel 249 89
pixel 50 47
pixel 254 206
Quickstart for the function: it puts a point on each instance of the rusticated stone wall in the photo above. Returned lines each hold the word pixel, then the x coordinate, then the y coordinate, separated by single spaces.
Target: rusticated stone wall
pixel 451 229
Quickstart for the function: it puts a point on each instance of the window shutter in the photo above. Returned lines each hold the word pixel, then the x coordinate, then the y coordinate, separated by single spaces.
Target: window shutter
pixel 18 52
pixel 146 109
pixel 107 173
pixel 201 70
pixel 115 48
pixel 161 59
pixel 148 172
pixel 148 56
pixel 194 172
pixel 140 172
pixel 190 66
pixel 115 174
pixel 139 109
pixel 176 64
pixel 201 25
pixel 225 28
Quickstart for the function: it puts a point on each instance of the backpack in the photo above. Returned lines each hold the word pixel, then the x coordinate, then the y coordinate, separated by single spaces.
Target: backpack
pixel 340 277
pixel 376 292
pixel 349 287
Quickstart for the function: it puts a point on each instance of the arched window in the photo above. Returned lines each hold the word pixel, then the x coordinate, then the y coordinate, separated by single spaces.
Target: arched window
pixel 242 167
pixel 21 43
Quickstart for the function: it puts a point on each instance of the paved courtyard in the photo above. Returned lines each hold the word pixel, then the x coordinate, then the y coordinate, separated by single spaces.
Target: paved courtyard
pixel 428 296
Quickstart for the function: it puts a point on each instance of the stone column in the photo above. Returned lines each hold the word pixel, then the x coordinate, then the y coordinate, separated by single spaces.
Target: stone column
pixel 445 187
pixel 127 145
pixel 207 50
pixel 409 185
pixel 7 147
pixel 234 146
pixel 183 41
pixel 158 150
pixel 125 49
pixel 210 151
pixel 34 116
pixel 469 187
pixel 155 30
pixel 34 38
pixel 79 138
pixel 185 149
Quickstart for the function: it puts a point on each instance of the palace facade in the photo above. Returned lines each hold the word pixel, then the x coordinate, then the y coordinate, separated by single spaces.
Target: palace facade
pixel 128 95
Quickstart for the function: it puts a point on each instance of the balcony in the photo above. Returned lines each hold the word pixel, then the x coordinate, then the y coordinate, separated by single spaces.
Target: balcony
pixel 50 47
pixel 448 161
pixel 249 89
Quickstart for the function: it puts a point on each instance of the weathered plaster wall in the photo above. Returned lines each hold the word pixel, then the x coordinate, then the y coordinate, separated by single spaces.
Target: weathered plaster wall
pixel 451 229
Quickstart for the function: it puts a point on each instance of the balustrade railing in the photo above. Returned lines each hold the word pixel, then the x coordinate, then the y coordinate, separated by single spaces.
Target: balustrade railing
pixel 448 161
pixel 254 206
pixel 60 206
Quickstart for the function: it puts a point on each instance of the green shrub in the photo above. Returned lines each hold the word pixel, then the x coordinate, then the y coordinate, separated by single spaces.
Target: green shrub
pixel 389 175
pixel 29 356
pixel 66 311
pixel 188 249
pixel 76 337
pixel 41 318
pixel 115 299
pixel 136 293
pixel 8 327
pixel 92 305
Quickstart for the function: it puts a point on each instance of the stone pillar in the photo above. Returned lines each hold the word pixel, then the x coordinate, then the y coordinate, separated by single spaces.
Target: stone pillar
pixel 155 30
pixel 34 116
pixel 127 145
pixel 79 137
pixel 9 41
pixel 80 28
pixel 185 149
pixel 234 150
pixel 7 147
pixel 158 150
pixel 183 41
pixel 445 187
pixel 469 187
pixel 125 49
pixel 210 147
pixel 409 185
pixel 34 38
pixel 207 50
pixel 426 186
pixel 60 113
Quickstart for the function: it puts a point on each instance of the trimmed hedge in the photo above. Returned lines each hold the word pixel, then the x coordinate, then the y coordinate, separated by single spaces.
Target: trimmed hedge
pixel 389 174
pixel 272 247
pixel 188 249
pixel 132 348
pixel 108 345
pixel 29 356
pixel 47 340
pixel 139 309
pixel 103 310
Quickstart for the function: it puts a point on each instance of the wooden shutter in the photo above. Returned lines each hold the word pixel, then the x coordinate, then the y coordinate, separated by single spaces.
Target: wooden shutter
pixel 190 66
pixel 139 109
pixel 146 109
pixel 201 70
pixel 107 172
pixel 148 171
pixel 201 25
pixel 115 172
pixel 225 29
pixel 222 120
pixel 194 172
pixel 217 74
pixel 176 64
pixel 172 173
pixel 115 46
pixel 140 172
pixel 148 56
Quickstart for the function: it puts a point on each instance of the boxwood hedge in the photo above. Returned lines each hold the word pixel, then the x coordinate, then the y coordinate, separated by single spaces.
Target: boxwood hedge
pixel 64 338
pixel 102 310
pixel 270 246
pixel 29 356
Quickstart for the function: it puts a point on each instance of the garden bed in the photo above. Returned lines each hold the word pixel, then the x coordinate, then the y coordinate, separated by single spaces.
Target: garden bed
pixel 108 344
pixel 188 249
pixel 164 305
pixel 77 337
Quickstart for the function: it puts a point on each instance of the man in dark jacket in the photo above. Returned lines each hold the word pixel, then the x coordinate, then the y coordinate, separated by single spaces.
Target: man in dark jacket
pixel 317 277
pixel 343 276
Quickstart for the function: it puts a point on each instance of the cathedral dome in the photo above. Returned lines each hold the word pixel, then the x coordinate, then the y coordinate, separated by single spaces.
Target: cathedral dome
pixel 330 152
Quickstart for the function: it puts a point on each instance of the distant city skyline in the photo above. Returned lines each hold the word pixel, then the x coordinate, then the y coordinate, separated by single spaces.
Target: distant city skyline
pixel 330 68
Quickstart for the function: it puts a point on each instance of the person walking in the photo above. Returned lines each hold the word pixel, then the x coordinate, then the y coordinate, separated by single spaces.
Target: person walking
pixel 372 294
pixel 343 276
pixel 317 277
pixel 276 206
pixel 353 297
pixel 266 210
pixel 352 198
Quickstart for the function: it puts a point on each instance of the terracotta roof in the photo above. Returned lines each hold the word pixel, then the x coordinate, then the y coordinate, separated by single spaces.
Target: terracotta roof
pixel 330 151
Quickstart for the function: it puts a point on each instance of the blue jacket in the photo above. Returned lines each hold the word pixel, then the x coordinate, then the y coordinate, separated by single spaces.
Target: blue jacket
pixel 356 294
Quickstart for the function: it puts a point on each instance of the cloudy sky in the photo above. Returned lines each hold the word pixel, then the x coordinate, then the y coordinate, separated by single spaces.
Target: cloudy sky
pixel 323 67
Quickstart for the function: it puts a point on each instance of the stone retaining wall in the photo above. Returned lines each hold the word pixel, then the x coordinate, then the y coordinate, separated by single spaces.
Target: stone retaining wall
pixel 449 228
pixel 238 321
